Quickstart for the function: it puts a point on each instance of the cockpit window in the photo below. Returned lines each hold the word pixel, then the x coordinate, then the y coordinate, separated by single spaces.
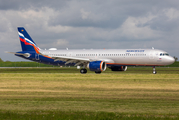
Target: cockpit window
pixel 164 54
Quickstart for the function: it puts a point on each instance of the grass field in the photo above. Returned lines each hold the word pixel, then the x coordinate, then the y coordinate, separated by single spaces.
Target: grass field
pixel 64 93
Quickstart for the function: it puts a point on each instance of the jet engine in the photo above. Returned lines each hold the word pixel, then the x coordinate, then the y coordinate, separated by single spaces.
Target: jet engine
pixel 97 66
pixel 118 68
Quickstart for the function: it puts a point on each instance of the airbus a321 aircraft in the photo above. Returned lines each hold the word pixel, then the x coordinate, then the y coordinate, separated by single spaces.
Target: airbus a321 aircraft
pixel 96 60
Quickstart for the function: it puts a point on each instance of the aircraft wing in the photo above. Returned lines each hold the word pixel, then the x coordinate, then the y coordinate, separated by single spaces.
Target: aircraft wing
pixel 76 60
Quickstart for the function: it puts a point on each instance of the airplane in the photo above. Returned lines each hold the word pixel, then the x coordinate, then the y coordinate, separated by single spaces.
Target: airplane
pixel 96 60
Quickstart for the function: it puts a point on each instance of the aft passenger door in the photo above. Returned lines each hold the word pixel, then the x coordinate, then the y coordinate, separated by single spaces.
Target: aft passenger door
pixel 37 56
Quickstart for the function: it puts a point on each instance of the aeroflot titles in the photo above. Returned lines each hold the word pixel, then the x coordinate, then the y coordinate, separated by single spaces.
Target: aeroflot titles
pixel 135 50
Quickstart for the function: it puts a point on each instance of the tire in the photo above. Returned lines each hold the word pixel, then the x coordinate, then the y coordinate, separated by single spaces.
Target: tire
pixel 97 72
pixel 83 71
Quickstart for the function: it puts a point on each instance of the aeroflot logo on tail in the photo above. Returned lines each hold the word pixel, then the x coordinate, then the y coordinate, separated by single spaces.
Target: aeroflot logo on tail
pixel 27 41
pixel 135 50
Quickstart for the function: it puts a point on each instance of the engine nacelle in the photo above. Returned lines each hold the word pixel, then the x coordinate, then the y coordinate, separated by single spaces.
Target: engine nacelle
pixel 97 66
pixel 118 68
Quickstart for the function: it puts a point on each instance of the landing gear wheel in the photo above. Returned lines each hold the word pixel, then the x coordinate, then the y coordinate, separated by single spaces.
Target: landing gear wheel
pixel 97 72
pixel 154 72
pixel 83 71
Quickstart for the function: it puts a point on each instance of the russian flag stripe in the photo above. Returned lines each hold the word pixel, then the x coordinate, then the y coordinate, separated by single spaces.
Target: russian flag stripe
pixel 27 41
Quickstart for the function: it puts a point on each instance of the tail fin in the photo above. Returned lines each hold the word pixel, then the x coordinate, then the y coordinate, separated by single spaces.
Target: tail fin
pixel 27 43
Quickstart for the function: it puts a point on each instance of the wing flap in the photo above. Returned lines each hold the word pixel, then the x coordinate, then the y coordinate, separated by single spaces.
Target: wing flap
pixel 68 60
pixel 78 61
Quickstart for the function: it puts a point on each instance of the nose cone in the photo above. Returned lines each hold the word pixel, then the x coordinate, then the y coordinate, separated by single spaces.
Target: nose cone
pixel 170 60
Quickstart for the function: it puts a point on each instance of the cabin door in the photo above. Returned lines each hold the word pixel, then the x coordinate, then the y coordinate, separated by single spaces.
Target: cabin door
pixel 37 56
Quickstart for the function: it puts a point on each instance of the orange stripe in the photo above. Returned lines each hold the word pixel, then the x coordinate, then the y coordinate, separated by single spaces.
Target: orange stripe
pixel 101 65
pixel 47 56
pixel 36 50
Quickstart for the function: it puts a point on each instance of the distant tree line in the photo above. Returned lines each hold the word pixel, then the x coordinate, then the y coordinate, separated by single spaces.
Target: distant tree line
pixel 1 60
pixel 176 59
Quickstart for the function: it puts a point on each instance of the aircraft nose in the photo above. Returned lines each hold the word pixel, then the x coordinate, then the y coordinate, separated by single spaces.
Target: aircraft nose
pixel 170 60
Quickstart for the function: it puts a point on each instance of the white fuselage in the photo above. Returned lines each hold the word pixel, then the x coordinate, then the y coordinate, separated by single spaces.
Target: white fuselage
pixel 96 60
pixel 133 57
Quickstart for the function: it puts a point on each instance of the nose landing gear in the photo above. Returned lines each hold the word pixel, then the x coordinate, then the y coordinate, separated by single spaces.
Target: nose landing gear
pixel 154 72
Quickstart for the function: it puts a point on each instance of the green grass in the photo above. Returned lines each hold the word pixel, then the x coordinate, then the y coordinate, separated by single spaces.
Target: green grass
pixel 61 115
pixel 57 93
pixel 175 64
pixel 24 64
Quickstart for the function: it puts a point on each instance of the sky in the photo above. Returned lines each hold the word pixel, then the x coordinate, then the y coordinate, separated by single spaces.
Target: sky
pixel 86 24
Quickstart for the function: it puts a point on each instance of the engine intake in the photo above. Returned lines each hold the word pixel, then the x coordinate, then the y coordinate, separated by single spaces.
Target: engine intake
pixel 97 66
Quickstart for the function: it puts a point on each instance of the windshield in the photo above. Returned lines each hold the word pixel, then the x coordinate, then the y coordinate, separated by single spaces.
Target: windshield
pixel 164 54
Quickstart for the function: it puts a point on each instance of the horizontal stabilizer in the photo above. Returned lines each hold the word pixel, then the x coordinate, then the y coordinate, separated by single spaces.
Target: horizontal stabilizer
pixel 23 54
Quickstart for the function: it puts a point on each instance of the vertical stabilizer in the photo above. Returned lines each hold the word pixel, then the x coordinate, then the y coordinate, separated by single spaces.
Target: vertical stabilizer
pixel 27 43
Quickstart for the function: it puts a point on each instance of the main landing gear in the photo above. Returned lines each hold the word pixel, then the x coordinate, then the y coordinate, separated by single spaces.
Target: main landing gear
pixel 154 72
pixel 97 72
pixel 83 71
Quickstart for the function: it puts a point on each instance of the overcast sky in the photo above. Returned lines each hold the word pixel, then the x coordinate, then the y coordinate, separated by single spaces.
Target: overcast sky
pixel 79 24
